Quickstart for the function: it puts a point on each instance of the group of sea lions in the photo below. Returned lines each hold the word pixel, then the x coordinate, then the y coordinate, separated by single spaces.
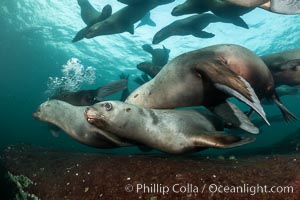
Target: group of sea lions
pixel 226 11
pixel 205 77
pixel 155 115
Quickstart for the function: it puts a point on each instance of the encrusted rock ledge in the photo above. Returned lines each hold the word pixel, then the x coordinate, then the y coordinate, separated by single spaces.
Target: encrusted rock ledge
pixel 39 173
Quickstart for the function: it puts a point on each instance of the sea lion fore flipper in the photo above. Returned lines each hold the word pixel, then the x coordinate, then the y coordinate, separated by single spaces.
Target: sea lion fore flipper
pixel 106 12
pixel 287 115
pixel 238 21
pixel 111 88
pixel 88 13
pixel 203 34
pixel 230 83
pixel 291 64
pixel 220 139
pixel 130 29
pixel 234 117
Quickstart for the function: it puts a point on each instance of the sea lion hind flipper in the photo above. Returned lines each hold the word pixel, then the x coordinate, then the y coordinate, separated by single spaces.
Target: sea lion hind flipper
pixel 220 139
pixel 150 22
pixel 230 83
pixel 291 64
pixel 111 88
pixel 287 115
pixel 234 117
pixel 203 34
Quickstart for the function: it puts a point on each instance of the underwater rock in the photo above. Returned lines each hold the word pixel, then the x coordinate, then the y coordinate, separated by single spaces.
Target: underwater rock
pixel 65 175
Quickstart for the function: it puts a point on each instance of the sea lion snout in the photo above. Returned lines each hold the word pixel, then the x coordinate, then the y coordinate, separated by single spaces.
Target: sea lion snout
pixel 36 115
pixel 95 118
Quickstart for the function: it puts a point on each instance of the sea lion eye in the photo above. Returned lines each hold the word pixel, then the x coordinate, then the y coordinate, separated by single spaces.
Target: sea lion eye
pixel 107 106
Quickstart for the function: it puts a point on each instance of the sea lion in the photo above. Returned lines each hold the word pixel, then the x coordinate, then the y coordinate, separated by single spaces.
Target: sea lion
pixel 124 19
pixel 285 67
pixel 149 68
pixel 71 119
pixel 146 20
pixel 171 131
pixel 220 8
pixel 160 57
pixel 90 16
pixel 192 25
pixel 90 97
pixel 207 77
pixel 288 7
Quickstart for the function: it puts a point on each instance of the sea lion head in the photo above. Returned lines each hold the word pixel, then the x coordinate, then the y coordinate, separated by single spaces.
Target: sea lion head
pixel 42 113
pixel 189 7
pixel 107 114
pixel 160 36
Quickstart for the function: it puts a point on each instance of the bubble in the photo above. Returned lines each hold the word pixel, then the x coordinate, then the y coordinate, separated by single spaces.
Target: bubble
pixel 74 75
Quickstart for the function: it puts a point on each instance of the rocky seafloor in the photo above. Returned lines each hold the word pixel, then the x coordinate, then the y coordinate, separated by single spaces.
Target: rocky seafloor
pixel 29 172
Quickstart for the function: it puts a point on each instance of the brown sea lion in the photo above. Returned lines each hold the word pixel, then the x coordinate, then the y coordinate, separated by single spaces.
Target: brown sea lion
pixel 172 131
pixel 124 19
pixel 207 77
pixel 160 57
pixel 90 16
pixel 288 7
pixel 89 97
pixel 192 25
pixel 71 119
pixel 285 67
pixel 220 8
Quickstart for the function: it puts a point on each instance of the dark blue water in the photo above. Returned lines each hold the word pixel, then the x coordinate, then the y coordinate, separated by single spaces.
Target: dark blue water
pixel 35 42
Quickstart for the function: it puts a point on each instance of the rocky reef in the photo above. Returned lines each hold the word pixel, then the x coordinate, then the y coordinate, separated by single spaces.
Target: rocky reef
pixel 40 173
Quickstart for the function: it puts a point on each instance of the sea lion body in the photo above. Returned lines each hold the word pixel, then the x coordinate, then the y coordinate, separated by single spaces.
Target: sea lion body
pixel 207 77
pixel 172 131
pixel 71 119
pixel 192 25
pixel 179 85
pixel 285 67
pixel 220 8
pixel 124 19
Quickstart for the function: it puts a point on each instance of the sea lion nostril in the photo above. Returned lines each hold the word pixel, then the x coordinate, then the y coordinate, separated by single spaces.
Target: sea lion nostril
pixel 86 110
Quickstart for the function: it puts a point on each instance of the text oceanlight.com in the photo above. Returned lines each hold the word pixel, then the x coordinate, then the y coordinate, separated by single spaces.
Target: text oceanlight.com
pixel 211 188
